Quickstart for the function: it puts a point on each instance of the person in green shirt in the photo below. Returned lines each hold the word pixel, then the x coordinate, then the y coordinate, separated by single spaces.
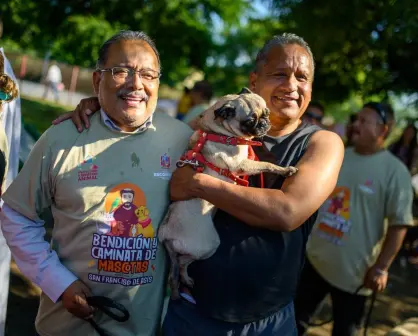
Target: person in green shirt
pixel 108 191
pixel 352 245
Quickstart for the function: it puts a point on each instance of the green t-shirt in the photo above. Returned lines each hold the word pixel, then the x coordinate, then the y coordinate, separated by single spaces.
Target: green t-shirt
pixel 108 192
pixel 194 112
pixel 348 234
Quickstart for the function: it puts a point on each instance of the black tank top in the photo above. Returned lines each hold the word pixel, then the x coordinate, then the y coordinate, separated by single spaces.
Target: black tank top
pixel 254 272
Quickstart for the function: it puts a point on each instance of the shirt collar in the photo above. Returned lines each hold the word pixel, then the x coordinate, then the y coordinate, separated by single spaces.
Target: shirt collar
pixel 111 125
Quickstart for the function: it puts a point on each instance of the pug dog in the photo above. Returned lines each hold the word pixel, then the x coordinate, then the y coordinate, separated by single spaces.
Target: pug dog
pixel 187 230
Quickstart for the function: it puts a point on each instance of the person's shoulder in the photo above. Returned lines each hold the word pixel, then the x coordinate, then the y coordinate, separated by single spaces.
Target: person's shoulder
pixel 171 126
pixel 323 139
pixel 64 132
pixel 394 165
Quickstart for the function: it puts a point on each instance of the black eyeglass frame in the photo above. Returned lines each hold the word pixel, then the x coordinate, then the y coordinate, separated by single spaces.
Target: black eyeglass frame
pixel 131 72
pixel 313 116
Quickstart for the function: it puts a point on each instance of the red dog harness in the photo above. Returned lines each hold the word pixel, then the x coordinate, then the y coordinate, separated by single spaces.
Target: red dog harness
pixel 195 158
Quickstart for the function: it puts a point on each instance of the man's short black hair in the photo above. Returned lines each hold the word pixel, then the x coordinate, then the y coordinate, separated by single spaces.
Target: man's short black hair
pixel 204 88
pixel 125 35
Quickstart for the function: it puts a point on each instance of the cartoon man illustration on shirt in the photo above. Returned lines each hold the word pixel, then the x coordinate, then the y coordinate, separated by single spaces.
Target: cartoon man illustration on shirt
pixel 130 220
pixel 125 215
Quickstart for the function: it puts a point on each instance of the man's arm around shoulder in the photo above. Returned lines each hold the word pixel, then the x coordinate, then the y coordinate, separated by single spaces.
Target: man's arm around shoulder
pixel 282 210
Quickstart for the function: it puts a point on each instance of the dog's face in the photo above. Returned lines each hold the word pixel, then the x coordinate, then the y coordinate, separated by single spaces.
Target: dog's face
pixel 244 115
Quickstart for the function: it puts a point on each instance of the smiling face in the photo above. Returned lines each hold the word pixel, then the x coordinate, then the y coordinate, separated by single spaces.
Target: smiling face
pixel 284 80
pixel 129 103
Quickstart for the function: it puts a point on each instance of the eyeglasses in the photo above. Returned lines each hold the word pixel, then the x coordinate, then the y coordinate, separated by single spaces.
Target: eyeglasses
pixel 122 74
pixel 313 116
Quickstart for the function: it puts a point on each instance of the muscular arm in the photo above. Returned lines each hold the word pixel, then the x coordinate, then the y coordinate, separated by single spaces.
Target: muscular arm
pixel 285 209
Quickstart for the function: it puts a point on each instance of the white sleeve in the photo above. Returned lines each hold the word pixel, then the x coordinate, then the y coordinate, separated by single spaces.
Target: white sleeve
pixel 33 255
pixel 12 121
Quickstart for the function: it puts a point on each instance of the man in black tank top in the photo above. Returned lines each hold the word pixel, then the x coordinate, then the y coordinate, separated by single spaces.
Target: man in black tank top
pixel 247 287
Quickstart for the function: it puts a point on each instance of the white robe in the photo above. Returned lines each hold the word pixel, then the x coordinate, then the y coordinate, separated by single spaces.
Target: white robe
pixel 11 120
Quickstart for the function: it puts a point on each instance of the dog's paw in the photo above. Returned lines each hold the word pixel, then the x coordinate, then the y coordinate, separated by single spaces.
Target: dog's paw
pixel 291 171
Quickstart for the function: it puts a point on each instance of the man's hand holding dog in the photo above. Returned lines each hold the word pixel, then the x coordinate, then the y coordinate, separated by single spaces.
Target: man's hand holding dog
pixel 186 184
pixel 74 299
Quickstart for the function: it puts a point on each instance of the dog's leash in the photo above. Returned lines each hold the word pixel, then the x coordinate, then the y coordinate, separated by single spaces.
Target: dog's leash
pixel 106 305
pixel 366 321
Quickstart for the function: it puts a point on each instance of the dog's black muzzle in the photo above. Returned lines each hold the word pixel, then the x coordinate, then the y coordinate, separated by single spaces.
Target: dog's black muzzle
pixel 255 126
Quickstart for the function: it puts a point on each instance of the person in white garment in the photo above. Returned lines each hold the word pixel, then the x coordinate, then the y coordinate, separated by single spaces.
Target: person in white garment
pixel 8 92
pixel 53 80
pixel 11 119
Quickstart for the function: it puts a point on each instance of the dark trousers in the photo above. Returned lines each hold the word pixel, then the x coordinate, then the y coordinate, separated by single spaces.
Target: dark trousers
pixel 347 308
pixel 184 319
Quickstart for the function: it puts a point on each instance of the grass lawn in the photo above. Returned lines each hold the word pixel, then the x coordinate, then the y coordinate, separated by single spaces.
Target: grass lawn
pixel 39 113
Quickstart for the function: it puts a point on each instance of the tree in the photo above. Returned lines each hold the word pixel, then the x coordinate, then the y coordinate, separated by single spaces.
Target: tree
pixel 74 30
pixel 233 59
pixel 361 47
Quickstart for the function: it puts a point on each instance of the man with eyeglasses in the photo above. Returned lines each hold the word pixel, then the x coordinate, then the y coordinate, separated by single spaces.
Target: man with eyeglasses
pixel 108 191
pixel 352 246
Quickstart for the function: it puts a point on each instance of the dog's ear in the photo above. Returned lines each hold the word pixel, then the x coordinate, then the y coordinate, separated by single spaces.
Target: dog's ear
pixel 226 111
pixel 245 90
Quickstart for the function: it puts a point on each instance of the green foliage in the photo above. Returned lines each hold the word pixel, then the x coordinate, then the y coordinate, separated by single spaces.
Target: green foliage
pixel 361 47
pixel 83 36
pixel 39 113
pixel 74 30
pixel 233 60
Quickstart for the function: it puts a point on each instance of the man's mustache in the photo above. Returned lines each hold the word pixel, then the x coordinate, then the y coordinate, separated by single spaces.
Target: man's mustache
pixel 134 94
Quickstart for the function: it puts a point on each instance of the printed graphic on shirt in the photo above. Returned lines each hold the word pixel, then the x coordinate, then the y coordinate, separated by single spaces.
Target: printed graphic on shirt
pixel 165 163
pixel 367 187
pixel 135 160
pixel 334 216
pixel 125 244
pixel 87 170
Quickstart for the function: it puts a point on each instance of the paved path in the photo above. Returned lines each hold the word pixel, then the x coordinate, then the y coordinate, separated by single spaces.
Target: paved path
pixel 36 90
